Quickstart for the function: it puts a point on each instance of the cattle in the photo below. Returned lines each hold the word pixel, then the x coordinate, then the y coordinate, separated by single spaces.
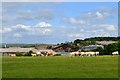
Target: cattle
pixel 115 53
pixel 49 53
pixel 89 53
pixel 92 53
pixel 84 53
pixel 96 53
pixel 77 53
pixel 34 54
pixel 12 55
pixel 44 53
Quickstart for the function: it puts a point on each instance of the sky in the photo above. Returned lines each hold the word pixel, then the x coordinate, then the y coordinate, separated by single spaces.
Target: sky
pixel 57 22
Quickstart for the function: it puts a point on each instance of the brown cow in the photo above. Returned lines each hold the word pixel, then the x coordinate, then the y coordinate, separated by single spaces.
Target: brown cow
pixel 49 53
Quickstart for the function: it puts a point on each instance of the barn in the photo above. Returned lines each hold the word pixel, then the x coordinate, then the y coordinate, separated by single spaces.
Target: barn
pixel 13 50
pixel 39 51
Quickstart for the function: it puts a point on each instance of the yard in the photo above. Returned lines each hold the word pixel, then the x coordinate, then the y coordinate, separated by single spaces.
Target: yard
pixel 60 67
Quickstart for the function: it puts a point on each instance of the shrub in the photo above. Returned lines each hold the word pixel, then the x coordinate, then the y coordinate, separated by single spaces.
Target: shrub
pixel 27 54
pixel 19 54
pixel 57 55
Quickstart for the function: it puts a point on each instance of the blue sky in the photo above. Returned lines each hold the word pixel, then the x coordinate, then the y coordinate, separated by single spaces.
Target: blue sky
pixel 57 22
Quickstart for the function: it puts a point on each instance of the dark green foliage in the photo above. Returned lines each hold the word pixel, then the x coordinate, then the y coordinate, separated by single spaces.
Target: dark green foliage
pixel 108 49
pixel 57 55
pixel 100 50
pixel 102 39
pixel 29 53
pixel 119 47
pixel 19 54
pixel 77 41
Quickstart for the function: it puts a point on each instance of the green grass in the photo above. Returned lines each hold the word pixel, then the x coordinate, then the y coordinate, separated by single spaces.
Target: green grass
pixel 60 67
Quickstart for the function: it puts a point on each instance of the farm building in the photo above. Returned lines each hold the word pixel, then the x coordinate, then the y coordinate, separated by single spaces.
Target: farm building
pixel 91 47
pixel 12 51
pixel 39 51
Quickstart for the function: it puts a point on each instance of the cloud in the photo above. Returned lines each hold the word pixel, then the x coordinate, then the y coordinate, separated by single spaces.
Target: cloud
pixel 97 15
pixel 89 17
pixel 46 31
pixel 5 30
pixel 21 30
pixel 43 24
pixel 23 27
pixel 109 27
pixel 74 20
pixel 23 14
pixel 32 20
pixel 45 14
pixel 74 35
pixel 17 35
pixel 41 28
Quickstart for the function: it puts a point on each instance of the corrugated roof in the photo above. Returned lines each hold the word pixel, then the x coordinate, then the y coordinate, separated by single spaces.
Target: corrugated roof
pixel 24 50
pixel 46 50
pixel 16 49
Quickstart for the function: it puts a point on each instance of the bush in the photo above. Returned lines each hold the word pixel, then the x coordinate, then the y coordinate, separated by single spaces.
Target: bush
pixel 110 48
pixel 19 54
pixel 100 50
pixel 27 54
pixel 57 55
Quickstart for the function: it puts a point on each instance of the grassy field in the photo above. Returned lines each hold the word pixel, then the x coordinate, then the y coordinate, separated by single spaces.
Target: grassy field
pixel 60 67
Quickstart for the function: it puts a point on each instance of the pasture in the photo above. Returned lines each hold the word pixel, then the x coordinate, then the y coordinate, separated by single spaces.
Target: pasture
pixel 60 67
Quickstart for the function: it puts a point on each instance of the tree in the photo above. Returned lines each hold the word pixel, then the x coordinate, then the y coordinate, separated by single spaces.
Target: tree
pixel 77 41
pixel 19 54
pixel 119 47
pixel 100 50
pixel 29 53
pixel 108 49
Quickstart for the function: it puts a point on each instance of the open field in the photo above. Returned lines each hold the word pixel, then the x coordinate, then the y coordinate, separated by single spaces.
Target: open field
pixel 60 67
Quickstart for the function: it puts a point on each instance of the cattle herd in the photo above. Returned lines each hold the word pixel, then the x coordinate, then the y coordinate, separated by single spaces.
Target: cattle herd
pixel 76 53
pixel 79 53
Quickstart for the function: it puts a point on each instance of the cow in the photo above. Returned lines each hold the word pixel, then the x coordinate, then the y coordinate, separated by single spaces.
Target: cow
pixel 82 53
pixel 96 53
pixel 115 53
pixel 87 53
pixel 44 53
pixel 49 53
pixel 34 54
pixel 77 53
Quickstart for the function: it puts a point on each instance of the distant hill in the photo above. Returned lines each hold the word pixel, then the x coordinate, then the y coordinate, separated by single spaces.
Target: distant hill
pixel 22 45
pixel 102 39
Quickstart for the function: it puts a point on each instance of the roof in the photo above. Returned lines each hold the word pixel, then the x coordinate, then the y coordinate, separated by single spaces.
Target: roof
pixel 90 47
pixel 45 50
pixel 16 49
